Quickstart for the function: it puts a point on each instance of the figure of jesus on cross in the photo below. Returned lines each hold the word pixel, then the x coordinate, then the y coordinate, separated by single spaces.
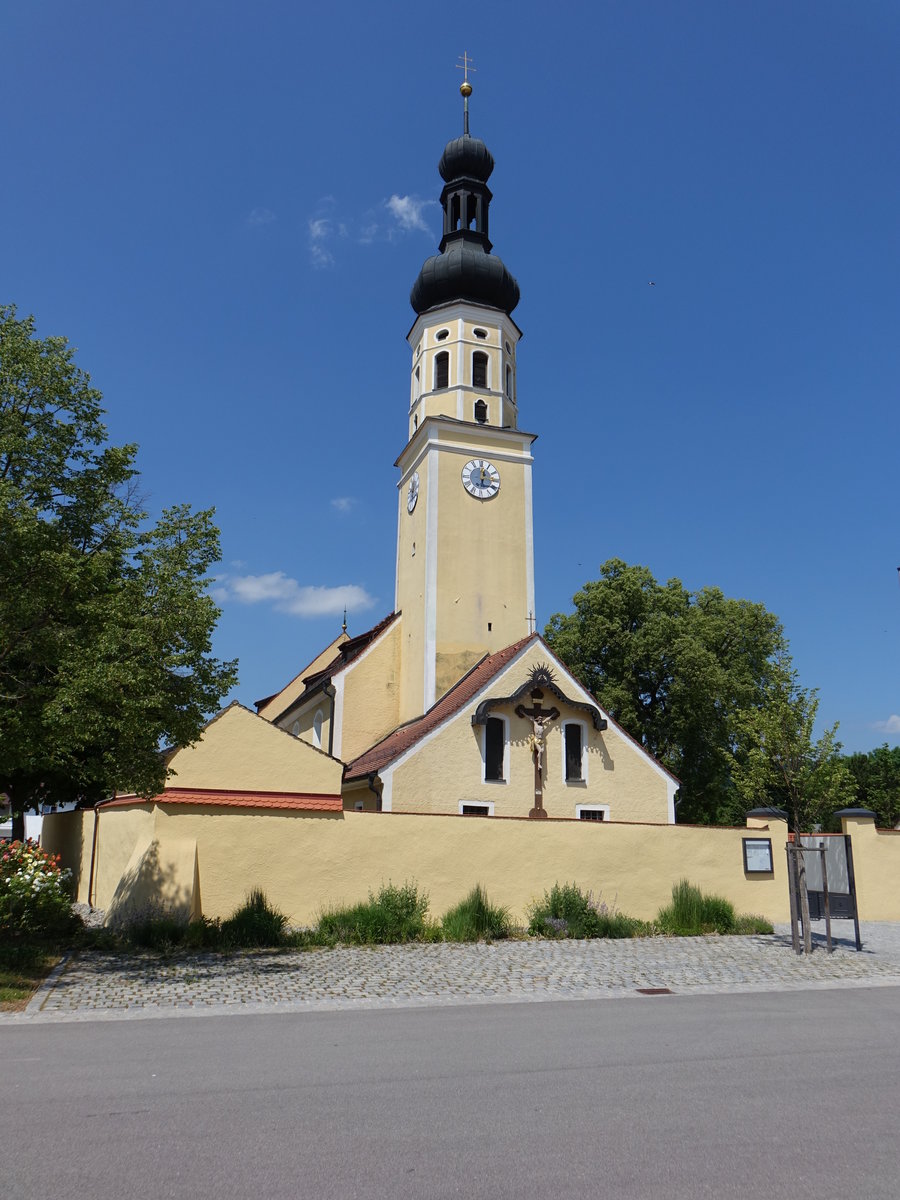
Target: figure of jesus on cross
pixel 540 719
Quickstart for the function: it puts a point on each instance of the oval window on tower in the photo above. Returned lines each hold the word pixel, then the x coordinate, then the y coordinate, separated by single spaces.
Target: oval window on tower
pixel 480 333
pixel 442 335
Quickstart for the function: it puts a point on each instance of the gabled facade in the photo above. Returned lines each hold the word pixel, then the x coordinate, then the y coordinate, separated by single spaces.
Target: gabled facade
pixel 474 752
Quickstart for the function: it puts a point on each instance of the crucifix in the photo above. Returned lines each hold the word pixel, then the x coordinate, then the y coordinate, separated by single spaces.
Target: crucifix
pixel 540 718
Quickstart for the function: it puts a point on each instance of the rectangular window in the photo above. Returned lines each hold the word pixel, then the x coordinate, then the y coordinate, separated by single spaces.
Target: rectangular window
pixel 494 746
pixel 472 808
pixel 574 772
pixel 592 812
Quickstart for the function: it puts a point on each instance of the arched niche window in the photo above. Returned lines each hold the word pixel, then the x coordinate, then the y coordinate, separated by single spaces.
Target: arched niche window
pixel 481 412
pixel 417 383
pixel 442 370
pixel 479 369
pixel 509 382
pixel 317 729
pixel 495 750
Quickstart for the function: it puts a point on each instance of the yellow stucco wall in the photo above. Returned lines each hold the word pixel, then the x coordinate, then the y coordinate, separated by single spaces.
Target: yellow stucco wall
pixel 240 751
pixel 371 695
pixel 306 861
pixel 876 862
pixel 448 767
pixel 482 568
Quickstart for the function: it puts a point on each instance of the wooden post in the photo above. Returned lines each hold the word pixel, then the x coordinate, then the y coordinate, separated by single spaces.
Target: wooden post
pixel 792 894
pixel 827 905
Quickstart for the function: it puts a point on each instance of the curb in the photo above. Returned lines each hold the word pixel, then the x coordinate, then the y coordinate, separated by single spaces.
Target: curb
pixel 40 997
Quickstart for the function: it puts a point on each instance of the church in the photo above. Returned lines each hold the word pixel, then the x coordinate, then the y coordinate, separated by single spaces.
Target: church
pixel 452 704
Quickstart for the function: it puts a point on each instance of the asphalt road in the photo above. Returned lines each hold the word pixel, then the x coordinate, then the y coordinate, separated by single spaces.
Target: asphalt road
pixel 767 1095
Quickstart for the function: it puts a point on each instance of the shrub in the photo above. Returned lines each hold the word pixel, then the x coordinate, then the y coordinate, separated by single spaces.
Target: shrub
pixel 475 919
pixel 35 898
pixel 162 933
pixel 255 924
pixel 568 912
pixel 691 913
pixel 395 914
pixel 752 923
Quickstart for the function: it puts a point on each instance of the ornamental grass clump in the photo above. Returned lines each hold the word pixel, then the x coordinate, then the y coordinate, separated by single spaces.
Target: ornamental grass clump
pixel 691 913
pixel 475 919
pixel 393 914
pixel 255 925
pixel 35 894
pixel 568 912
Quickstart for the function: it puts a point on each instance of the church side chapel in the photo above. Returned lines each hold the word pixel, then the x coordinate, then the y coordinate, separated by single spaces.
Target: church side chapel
pixel 453 703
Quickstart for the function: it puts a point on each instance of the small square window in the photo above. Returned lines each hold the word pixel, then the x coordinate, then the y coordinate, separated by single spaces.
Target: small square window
pixel 592 812
pixel 476 808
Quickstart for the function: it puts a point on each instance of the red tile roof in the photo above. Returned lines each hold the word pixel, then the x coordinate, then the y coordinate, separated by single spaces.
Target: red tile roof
pixel 460 694
pixel 220 798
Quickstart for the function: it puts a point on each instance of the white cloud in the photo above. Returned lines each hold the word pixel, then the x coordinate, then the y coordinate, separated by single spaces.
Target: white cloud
pixel 261 216
pixel 319 233
pixel 288 596
pixel 407 212
pixel 891 725
pixel 343 503
pixel 327 226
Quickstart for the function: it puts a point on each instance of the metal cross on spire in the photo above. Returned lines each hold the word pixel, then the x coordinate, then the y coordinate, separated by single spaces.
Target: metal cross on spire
pixel 465 88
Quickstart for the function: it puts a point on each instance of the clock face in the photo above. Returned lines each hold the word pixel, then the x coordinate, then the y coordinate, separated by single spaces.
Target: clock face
pixel 481 478
pixel 412 492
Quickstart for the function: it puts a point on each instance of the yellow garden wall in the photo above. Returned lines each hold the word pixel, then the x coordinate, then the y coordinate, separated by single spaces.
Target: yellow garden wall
pixel 308 861
pixel 876 861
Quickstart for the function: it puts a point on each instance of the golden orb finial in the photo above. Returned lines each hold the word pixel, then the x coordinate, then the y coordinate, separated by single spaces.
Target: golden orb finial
pixel 465 88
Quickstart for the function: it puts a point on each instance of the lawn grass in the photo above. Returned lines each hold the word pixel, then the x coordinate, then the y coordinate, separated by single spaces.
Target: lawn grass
pixel 22 971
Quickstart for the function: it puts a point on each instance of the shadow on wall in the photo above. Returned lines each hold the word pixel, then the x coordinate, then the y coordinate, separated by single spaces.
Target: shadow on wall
pixel 162 878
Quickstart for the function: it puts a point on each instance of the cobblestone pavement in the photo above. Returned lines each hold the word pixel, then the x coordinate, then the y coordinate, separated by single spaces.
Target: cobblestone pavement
pixel 95 985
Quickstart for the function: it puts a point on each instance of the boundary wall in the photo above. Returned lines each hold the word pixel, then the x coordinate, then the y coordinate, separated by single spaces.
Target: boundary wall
pixel 199 859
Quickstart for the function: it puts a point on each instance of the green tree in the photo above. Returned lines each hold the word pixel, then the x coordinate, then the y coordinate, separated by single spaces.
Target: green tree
pixel 877 776
pixel 785 766
pixel 105 622
pixel 675 668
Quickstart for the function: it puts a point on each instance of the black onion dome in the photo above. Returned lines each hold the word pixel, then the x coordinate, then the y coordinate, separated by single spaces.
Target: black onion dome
pixel 464 271
pixel 466 156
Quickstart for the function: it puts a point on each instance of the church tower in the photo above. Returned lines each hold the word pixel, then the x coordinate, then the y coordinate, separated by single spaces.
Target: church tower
pixel 465 560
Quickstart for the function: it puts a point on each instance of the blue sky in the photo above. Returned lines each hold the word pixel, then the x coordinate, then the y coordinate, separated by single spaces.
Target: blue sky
pixel 224 206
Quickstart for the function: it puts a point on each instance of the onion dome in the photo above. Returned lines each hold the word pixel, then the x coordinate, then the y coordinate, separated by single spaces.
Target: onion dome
pixel 466 156
pixel 464 271
pixel 464 268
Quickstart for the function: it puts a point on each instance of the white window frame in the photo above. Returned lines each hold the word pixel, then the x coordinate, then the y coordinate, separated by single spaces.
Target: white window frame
pixel 317 729
pixel 505 779
pixel 580 808
pixel 487 805
pixel 584 754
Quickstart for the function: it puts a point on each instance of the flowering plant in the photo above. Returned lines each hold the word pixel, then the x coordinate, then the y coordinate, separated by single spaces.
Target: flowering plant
pixel 34 891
